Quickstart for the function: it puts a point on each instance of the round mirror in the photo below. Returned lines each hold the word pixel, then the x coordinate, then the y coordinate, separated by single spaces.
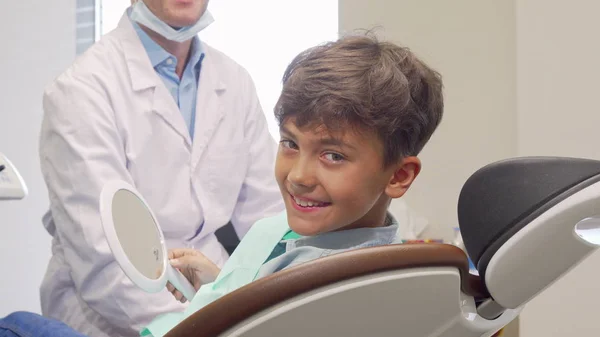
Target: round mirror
pixel 138 234
pixel 136 240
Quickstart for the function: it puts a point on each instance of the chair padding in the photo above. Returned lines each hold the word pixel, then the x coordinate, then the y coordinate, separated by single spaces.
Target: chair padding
pixel 501 198
pixel 262 294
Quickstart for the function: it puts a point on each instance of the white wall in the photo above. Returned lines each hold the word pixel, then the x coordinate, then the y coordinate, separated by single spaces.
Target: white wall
pixel 242 26
pixel 558 70
pixel 38 42
pixel 472 43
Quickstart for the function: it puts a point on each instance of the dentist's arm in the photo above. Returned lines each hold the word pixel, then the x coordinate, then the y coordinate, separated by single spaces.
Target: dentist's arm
pixel 80 150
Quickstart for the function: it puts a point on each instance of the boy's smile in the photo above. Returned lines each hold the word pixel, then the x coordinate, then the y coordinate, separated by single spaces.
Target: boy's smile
pixel 308 205
pixel 333 181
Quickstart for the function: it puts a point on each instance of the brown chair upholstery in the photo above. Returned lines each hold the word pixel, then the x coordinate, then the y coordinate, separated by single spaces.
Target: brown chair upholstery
pixel 262 294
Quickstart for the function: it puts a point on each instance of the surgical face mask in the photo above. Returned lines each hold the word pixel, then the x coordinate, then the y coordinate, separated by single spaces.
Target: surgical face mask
pixel 143 15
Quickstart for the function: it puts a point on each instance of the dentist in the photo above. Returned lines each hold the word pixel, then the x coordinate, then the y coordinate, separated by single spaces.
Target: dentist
pixel 154 106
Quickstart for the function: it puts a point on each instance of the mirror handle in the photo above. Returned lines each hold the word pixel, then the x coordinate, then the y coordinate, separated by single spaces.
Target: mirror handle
pixel 180 282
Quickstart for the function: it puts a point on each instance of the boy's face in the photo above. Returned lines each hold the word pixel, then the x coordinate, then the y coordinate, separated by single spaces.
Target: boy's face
pixel 337 181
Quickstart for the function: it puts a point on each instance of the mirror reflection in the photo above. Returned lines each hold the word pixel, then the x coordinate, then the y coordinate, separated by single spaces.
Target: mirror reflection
pixel 137 233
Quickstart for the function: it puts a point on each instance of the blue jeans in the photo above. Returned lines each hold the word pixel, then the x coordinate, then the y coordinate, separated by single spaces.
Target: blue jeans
pixel 26 324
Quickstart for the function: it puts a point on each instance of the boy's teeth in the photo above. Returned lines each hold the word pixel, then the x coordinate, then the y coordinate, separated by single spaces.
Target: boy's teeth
pixel 304 203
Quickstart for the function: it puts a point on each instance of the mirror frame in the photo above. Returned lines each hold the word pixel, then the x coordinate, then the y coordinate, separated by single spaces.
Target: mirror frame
pixel 106 200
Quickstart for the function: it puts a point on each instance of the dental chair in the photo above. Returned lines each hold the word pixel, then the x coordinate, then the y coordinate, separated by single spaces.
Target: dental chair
pixel 12 185
pixel 525 222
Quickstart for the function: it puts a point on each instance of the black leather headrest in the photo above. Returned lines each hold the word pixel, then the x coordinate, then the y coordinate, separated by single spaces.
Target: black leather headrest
pixel 501 198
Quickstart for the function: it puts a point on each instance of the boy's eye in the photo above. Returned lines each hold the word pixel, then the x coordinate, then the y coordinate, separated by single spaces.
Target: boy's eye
pixel 288 144
pixel 334 157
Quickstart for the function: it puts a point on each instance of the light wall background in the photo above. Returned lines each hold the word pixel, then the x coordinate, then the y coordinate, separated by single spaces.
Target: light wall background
pixel 38 42
pixel 557 93
pixel 472 44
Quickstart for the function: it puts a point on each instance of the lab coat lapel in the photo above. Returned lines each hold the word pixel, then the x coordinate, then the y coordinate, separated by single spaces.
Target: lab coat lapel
pixel 209 107
pixel 141 73
pixel 142 76
pixel 165 107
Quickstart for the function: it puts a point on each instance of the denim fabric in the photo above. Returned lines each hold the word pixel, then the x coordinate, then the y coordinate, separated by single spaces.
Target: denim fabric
pixel 27 324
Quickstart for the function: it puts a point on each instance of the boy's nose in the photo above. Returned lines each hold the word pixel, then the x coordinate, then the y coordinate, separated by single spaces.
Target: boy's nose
pixel 302 175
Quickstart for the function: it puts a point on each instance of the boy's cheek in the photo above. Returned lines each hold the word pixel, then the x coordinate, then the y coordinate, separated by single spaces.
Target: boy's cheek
pixel 280 174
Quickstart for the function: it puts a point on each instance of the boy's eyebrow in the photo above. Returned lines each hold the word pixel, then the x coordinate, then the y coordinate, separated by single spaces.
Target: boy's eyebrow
pixel 331 141
pixel 335 142
pixel 283 129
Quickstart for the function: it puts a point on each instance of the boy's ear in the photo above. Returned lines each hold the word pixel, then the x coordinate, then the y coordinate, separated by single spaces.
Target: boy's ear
pixel 404 174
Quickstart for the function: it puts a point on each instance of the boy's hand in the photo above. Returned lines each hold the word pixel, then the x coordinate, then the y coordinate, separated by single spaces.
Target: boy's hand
pixel 194 266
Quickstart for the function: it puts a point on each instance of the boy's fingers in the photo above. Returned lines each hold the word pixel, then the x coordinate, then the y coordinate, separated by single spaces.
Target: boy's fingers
pixel 178 295
pixel 176 253
pixel 189 261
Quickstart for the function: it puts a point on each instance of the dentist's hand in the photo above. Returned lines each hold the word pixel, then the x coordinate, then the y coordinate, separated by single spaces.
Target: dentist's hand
pixel 196 267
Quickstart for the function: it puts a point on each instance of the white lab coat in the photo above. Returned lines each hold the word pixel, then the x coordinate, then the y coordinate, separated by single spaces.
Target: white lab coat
pixel 109 116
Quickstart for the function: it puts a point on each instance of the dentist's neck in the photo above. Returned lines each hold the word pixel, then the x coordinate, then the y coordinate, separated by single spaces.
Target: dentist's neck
pixel 181 50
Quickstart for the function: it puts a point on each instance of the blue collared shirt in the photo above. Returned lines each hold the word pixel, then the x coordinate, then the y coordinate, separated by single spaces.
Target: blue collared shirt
pixel 292 252
pixel 184 90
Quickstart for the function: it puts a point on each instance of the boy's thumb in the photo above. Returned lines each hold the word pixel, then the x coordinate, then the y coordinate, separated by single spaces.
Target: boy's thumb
pixel 182 262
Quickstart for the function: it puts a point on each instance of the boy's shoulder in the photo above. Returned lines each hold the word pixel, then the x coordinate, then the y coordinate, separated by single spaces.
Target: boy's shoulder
pixel 266 231
pixel 304 249
pixel 279 219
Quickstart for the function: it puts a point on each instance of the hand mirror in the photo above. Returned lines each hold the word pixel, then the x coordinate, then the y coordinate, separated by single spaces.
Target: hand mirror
pixel 136 240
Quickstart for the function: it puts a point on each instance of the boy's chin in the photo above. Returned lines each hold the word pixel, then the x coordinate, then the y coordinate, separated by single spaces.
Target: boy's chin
pixel 305 227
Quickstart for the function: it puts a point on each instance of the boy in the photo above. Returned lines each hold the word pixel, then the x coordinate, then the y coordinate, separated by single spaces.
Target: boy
pixel 353 116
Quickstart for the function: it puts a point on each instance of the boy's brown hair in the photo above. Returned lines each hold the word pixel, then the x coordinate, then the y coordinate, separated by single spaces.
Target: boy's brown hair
pixel 365 84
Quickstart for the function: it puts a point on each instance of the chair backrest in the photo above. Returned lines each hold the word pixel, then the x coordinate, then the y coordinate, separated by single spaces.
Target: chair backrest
pixel 518 219
pixel 404 290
